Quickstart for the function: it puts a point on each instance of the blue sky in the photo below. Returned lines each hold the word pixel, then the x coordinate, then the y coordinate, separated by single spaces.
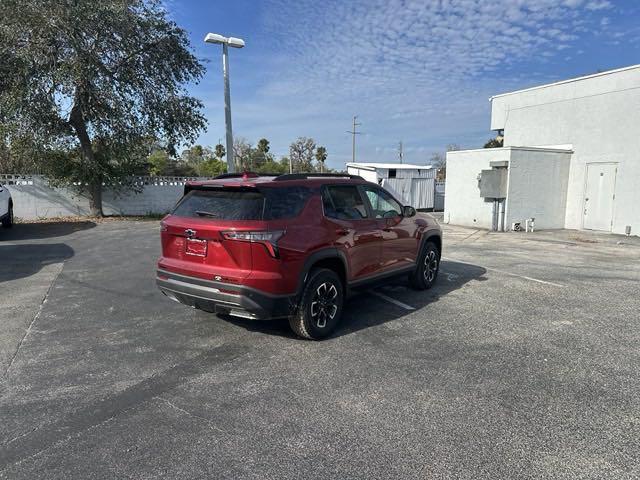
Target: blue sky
pixel 416 71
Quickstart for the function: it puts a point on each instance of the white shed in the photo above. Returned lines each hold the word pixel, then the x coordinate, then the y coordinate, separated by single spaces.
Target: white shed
pixel 415 184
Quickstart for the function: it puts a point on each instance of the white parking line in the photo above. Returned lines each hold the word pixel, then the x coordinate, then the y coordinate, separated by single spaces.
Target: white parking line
pixel 537 280
pixel 391 300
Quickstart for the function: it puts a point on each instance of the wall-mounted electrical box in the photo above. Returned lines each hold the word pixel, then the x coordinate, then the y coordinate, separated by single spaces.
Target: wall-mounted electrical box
pixel 493 183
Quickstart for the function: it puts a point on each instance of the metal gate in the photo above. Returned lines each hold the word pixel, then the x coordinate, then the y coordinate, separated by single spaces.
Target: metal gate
pixel 417 192
pixel 438 201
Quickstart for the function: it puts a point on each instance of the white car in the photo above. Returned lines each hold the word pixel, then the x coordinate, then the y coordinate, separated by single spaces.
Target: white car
pixel 6 207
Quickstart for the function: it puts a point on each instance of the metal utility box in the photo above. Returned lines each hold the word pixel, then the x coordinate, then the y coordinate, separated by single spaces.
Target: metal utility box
pixel 493 183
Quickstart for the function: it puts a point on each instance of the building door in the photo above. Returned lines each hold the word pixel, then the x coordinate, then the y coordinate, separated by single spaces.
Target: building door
pixel 599 196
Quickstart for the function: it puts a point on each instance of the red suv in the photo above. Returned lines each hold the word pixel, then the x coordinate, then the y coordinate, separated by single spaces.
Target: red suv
pixel 262 247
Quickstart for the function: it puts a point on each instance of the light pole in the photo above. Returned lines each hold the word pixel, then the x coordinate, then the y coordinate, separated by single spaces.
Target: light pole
pixel 226 43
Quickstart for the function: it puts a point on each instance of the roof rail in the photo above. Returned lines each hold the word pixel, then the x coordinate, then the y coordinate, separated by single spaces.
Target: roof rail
pixel 246 174
pixel 304 176
pixel 237 175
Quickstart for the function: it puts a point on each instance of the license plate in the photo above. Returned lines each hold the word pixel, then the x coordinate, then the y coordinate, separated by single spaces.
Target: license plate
pixel 196 247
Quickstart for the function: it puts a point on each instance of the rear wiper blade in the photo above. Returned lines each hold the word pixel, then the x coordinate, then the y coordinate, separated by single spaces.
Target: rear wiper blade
pixel 203 213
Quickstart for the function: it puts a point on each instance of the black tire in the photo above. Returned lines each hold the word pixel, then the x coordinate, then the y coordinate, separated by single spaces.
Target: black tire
pixel 426 272
pixel 8 220
pixel 320 308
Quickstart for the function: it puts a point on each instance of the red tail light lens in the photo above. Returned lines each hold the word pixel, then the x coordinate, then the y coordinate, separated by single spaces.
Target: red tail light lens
pixel 267 238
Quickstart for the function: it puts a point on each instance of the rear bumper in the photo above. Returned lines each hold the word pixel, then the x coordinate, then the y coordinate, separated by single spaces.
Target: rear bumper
pixel 226 298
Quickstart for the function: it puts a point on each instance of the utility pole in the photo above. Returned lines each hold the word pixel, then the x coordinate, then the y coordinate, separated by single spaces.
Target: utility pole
pixel 400 152
pixel 353 133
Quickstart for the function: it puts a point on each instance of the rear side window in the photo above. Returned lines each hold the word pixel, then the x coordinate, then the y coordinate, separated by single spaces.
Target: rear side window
pixel 343 202
pixel 249 204
pixel 284 202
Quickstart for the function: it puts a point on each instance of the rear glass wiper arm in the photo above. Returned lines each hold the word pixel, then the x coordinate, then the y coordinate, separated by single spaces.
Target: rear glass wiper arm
pixel 203 213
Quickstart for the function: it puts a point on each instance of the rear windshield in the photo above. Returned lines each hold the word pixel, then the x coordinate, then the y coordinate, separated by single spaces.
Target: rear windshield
pixel 250 204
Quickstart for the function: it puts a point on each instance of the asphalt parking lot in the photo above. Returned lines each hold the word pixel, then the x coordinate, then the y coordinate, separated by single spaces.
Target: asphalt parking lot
pixel 523 362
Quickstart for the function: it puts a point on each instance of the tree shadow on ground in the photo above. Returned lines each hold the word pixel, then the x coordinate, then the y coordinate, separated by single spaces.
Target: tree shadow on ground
pixel 34 231
pixel 363 309
pixel 20 261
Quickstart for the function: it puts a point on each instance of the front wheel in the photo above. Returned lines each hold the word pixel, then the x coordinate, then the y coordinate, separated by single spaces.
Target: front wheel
pixel 320 306
pixel 8 220
pixel 426 272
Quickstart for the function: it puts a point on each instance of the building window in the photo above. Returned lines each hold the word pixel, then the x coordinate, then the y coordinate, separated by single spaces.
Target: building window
pixel 392 173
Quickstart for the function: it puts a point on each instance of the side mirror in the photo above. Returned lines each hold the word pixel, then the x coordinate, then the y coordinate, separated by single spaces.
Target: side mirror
pixel 408 211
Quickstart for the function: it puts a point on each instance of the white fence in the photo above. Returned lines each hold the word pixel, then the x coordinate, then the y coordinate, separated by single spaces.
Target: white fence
pixel 33 198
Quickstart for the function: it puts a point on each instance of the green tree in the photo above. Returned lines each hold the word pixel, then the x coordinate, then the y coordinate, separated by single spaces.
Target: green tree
pixel 260 155
pixel 321 157
pixel 211 168
pixel 272 166
pixel 158 162
pixel 263 145
pixel 494 143
pixel 23 154
pixel 100 78
pixel 219 151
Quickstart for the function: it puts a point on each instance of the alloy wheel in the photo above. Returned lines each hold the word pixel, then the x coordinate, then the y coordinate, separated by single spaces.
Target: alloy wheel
pixel 430 266
pixel 323 306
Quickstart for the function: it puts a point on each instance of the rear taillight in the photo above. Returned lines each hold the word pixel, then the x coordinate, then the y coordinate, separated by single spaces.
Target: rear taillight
pixel 267 238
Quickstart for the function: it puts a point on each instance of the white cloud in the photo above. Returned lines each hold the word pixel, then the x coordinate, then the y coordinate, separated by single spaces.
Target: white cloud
pixel 598 5
pixel 415 70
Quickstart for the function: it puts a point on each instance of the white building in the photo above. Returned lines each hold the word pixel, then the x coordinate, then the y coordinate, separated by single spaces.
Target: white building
pixel 415 184
pixel 571 158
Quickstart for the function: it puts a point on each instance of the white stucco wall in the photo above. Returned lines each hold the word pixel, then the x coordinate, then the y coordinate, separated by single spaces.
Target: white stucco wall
pixel 599 117
pixel 33 198
pixel 463 204
pixel 538 187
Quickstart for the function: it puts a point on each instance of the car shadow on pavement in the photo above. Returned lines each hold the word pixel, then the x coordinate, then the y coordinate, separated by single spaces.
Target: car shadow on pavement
pixel 31 231
pixel 364 309
pixel 20 261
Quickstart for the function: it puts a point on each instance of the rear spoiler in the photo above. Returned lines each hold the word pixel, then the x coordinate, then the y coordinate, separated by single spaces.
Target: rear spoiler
pixel 209 186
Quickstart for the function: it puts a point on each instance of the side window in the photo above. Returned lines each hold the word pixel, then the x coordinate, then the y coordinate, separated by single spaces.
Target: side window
pixel 383 204
pixel 285 202
pixel 343 202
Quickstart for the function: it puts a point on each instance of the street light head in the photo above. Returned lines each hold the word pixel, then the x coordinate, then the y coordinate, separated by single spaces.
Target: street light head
pixel 231 41
pixel 215 38
pixel 235 42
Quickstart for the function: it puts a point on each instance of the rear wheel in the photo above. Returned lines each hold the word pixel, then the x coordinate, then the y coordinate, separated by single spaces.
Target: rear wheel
pixel 320 306
pixel 8 220
pixel 426 272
